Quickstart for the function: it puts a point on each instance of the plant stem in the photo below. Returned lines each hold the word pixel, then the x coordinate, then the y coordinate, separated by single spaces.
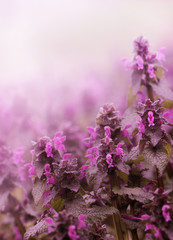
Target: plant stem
pixel 116 218
pixel 150 92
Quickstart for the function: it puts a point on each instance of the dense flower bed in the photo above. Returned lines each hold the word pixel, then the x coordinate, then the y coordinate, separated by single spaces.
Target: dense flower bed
pixel 110 181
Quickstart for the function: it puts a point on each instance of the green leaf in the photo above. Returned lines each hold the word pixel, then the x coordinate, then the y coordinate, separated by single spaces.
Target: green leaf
pixel 122 175
pixel 57 203
pixel 156 157
pixel 38 190
pixel 168 148
pixel 167 104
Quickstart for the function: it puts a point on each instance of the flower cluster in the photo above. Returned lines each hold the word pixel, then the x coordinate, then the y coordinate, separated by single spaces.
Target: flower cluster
pixel 114 182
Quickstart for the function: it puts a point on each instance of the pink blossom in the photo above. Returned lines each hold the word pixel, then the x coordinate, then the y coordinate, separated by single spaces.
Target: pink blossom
pixel 17 156
pixel 145 217
pixel 109 160
pixel 72 232
pixel 58 142
pixel 127 64
pixel 150 71
pixel 49 220
pixel 107 131
pixel 31 170
pixel 149 226
pixel 83 171
pixel 67 156
pixel 169 115
pixel 160 55
pixel 18 235
pixel 125 131
pixel 48 149
pixel 92 132
pixel 158 234
pixel 150 118
pixel 81 223
pixel 50 178
pixel 166 213
pixel 92 153
pixel 141 127
pixel 140 62
pixel 119 150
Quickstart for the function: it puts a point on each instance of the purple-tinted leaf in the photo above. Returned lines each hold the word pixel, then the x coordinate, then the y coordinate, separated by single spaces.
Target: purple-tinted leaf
pixel 48 197
pixel 136 81
pixel 156 157
pixel 100 213
pixel 123 167
pixel 130 117
pixel 136 193
pixel 155 136
pixel 163 89
pixel 132 224
pixel 39 228
pixel 38 190
pixel 39 167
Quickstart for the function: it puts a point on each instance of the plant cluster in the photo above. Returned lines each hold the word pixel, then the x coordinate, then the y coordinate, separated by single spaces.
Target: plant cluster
pixel 112 182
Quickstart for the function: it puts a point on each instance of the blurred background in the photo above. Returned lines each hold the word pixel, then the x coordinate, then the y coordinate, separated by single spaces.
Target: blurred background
pixel 62 59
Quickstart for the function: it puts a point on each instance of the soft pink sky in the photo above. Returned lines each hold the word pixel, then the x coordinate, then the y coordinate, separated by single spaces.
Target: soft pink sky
pixel 52 39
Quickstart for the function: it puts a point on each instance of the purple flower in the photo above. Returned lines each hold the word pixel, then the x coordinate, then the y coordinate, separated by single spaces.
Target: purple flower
pixel 150 118
pixel 141 127
pixel 83 171
pixel 125 131
pixel 92 153
pixel 160 55
pixel 141 46
pixel 81 223
pixel 127 64
pixel 150 71
pixel 166 213
pixel 107 138
pixel 119 150
pixel 58 142
pixel 31 170
pixel 140 62
pixel 109 160
pixel 72 232
pixel 18 235
pixel 107 131
pixel 93 133
pixel 17 156
pixel 50 178
pixel 149 226
pixel 145 217
pixel 48 149
pixel 158 234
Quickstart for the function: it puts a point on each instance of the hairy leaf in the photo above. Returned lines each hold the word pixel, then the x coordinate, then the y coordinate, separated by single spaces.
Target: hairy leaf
pixel 57 203
pixel 130 117
pixel 136 193
pixel 39 228
pixel 38 190
pixel 100 213
pixel 39 166
pixel 156 157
